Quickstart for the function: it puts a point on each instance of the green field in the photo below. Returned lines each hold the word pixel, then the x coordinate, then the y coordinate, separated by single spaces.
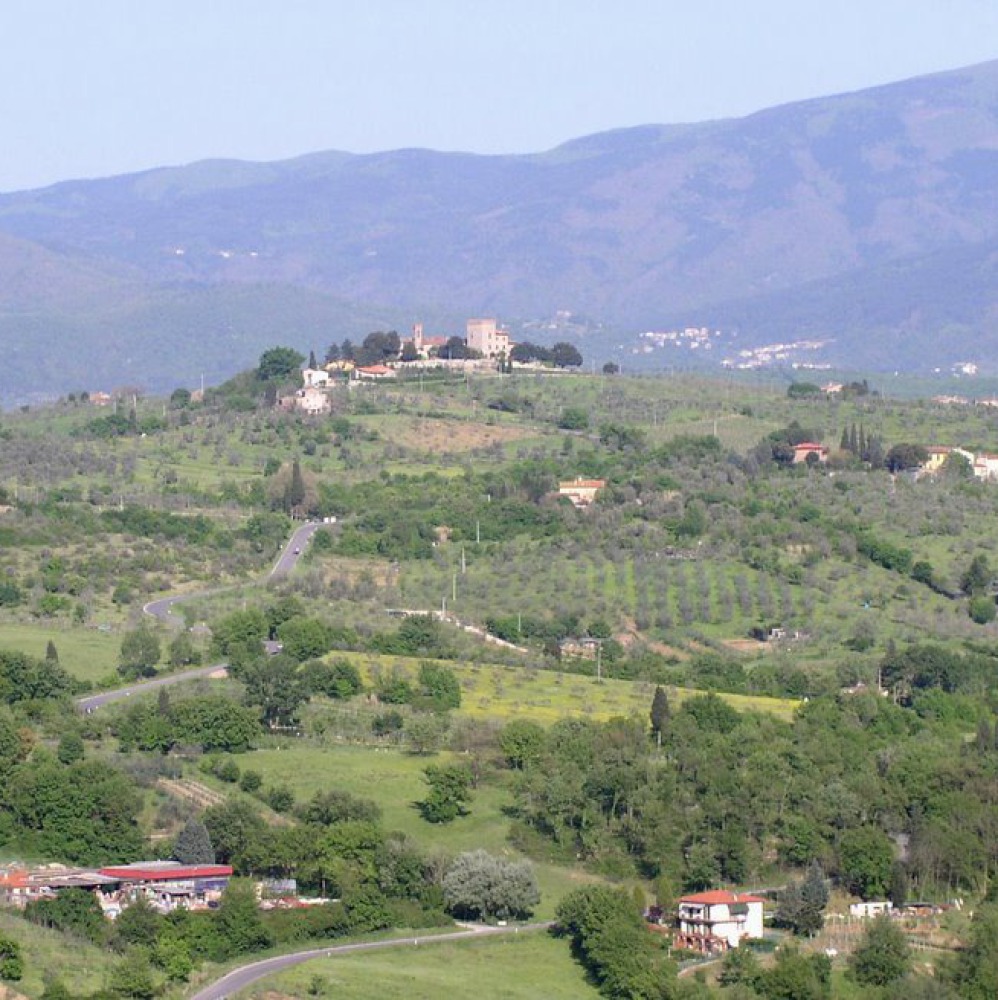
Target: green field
pixel 86 653
pixel 522 967
pixel 394 781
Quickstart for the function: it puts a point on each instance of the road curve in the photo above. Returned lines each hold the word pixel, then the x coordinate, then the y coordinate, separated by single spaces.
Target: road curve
pixel 161 608
pixel 294 549
pixel 245 975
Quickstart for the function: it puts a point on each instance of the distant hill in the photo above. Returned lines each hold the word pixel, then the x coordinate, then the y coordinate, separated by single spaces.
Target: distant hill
pixel 870 219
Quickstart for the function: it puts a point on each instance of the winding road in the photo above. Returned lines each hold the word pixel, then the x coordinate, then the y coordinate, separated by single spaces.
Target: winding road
pixel 162 609
pixel 248 974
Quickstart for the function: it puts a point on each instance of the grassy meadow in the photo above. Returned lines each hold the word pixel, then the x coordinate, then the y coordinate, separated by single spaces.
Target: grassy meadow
pixel 519 967
pixel 86 653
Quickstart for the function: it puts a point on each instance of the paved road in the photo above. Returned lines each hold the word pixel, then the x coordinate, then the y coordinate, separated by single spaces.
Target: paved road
pixel 90 702
pixel 294 550
pixel 244 976
pixel 162 609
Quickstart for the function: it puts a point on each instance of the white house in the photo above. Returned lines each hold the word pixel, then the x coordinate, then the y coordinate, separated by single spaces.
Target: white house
pixel 316 378
pixel 986 467
pixel 718 920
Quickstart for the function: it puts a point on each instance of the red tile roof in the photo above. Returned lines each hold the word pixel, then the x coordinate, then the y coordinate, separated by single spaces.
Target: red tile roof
pixel 585 484
pixel 716 896
pixel 165 873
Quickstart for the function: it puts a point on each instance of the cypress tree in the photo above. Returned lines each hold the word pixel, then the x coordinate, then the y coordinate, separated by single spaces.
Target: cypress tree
pixel 659 712
pixel 294 496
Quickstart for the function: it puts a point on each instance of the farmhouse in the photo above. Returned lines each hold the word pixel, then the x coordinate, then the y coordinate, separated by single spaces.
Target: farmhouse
pixel 582 492
pixel 717 920
pixel 168 885
pixel 585 647
pixel 986 467
pixel 309 400
pixel 805 448
pixel 937 458
pixel 374 373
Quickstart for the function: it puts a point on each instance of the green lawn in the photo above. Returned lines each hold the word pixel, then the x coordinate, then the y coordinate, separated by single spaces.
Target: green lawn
pixel 86 653
pixel 393 780
pixel 521 967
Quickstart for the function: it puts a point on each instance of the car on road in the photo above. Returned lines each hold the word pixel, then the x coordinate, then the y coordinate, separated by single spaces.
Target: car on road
pixel 297 551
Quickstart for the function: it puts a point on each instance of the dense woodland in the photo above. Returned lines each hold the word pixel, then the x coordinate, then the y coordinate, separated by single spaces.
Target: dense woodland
pixel 730 670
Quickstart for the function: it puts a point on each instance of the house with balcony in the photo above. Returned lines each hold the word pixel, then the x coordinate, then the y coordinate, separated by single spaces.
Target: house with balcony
pixel 711 922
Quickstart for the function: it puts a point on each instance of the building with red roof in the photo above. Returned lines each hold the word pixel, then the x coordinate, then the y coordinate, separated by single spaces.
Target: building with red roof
pixel 717 920
pixel 805 448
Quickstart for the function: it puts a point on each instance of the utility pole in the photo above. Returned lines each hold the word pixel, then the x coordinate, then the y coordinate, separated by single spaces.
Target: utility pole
pixel 599 661
pixel 464 565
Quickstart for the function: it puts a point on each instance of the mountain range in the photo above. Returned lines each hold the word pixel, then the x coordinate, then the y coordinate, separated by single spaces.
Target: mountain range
pixel 865 222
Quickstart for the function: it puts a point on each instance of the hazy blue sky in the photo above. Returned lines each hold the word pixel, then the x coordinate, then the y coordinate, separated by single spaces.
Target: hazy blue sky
pixel 97 87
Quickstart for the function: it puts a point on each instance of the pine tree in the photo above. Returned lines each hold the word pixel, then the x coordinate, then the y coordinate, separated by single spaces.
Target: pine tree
pixel 844 442
pixel 853 440
pixel 51 653
pixel 193 845
pixel 312 363
pixel 862 444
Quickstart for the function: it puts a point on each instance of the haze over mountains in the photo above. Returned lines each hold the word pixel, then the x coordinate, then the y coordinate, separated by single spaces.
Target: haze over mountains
pixel 868 221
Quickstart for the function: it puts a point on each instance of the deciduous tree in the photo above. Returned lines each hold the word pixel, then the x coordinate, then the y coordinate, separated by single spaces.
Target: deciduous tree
pixel 140 652
pixel 449 794
pixel 480 886
pixel 883 955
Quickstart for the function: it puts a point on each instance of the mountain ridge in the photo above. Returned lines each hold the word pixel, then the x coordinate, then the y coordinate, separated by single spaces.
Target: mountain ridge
pixel 770 222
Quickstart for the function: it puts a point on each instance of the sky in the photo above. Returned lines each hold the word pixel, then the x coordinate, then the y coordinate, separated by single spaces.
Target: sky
pixel 91 88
